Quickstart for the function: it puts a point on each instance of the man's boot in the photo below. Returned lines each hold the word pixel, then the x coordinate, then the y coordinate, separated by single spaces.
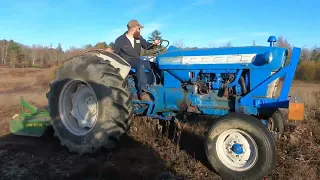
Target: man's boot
pixel 144 96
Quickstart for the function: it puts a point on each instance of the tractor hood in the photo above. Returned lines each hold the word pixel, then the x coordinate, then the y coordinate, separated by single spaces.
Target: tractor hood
pixel 223 58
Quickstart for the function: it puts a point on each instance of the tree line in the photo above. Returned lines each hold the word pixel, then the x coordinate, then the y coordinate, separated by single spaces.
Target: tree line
pixel 17 55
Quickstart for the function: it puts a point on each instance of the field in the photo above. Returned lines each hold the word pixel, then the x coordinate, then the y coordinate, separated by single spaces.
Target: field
pixel 143 153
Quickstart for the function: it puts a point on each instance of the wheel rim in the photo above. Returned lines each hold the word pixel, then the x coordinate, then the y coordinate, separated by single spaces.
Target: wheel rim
pixel 237 150
pixel 78 107
pixel 269 124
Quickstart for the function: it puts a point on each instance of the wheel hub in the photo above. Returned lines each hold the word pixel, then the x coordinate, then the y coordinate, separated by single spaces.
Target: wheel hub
pixel 79 109
pixel 239 150
pixel 84 106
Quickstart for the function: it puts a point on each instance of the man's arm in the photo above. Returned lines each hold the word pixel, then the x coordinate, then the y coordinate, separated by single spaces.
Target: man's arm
pixel 145 44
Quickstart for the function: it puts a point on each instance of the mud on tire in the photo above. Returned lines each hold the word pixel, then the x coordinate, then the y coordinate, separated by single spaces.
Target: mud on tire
pixel 114 110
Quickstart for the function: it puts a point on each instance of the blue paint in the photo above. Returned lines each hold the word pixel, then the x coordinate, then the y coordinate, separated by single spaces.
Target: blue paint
pixel 267 57
pixel 180 75
pixel 236 79
pixel 282 100
pixel 217 89
pixel 264 122
pixel 237 149
pixel 171 81
pixel 134 70
pixel 272 40
pixel 217 82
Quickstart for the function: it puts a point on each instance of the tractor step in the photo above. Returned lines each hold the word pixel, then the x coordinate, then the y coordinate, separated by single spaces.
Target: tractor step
pixel 33 124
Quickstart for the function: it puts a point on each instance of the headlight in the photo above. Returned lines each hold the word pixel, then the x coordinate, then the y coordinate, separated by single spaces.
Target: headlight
pixel 268 57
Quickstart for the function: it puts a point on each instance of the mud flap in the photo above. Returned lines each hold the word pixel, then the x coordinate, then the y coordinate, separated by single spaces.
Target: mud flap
pixel 33 123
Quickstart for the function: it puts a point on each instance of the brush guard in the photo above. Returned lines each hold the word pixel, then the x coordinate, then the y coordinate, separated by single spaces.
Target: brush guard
pixel 33 123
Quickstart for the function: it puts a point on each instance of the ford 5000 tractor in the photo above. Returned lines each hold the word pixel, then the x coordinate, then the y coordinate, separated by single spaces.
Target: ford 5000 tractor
pixel 92 101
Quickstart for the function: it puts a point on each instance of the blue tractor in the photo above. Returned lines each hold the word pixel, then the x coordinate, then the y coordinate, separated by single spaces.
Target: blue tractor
pixel 92 101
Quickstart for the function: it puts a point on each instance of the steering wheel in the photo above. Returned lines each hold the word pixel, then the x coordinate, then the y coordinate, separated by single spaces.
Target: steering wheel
pixel 158 49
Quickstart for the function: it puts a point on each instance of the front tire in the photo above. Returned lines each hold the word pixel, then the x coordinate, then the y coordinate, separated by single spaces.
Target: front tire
pixel 239 147
pixel 89 104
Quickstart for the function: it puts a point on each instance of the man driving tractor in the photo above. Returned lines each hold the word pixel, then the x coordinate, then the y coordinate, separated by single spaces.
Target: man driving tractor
pixel 128 46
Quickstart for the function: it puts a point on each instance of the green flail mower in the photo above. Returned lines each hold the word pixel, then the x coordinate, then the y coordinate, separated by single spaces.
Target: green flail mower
pixel 33 123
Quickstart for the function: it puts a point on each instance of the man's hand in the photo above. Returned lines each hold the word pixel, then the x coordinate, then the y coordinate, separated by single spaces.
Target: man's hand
pixel 156 42
pixel 109 50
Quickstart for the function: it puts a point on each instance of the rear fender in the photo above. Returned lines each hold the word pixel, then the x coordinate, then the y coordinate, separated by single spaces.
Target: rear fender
pixel 114 59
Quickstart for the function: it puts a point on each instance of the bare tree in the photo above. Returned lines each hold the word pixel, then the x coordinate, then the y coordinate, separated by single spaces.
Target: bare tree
pixel 34 54
pixel 4 45
pixel 42 54
pixel 25 51
pixel 228 44
pixel 179 44
pixel 211 44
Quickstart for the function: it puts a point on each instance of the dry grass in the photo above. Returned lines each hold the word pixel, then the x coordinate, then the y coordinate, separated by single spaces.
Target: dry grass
pixel 143 153
pixel 307 71
pixel 299 150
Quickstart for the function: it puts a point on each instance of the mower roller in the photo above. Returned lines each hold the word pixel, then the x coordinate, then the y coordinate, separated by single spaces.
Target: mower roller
pixel 93 97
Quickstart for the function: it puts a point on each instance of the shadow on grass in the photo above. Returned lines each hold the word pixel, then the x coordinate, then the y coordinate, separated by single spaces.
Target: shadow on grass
pixel 194 145
pixel 191 142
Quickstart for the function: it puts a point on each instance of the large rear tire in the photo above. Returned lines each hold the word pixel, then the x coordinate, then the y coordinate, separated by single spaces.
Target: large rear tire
pixel 240 147
pixel 89 104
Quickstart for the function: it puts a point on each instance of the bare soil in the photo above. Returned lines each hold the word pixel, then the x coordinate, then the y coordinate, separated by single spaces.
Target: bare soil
pixel 143 153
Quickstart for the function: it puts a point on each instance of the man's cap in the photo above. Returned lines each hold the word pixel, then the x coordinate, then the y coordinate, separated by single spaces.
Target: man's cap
pixel 134 23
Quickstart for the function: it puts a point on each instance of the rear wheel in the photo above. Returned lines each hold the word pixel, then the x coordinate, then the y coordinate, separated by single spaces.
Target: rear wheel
pixel 276 122
pixel 89 104
pixel 240 147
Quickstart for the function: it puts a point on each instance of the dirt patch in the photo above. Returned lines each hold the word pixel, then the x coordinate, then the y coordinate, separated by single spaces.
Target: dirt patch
pixel 143 153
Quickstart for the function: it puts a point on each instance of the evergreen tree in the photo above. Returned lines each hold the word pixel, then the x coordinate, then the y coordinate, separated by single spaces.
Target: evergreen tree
pixel 59 48
pixel 101 45
pixel 155 35
pixel 111 44
pixel 315 55
pixel 88 46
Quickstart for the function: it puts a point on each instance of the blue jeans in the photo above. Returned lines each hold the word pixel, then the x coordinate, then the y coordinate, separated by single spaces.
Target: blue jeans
pixel 140 66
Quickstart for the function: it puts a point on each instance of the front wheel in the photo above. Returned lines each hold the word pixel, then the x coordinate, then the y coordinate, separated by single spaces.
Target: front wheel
pixel 240 147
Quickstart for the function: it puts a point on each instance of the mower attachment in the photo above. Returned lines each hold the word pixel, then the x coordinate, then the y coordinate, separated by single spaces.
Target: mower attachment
pixel 33 123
